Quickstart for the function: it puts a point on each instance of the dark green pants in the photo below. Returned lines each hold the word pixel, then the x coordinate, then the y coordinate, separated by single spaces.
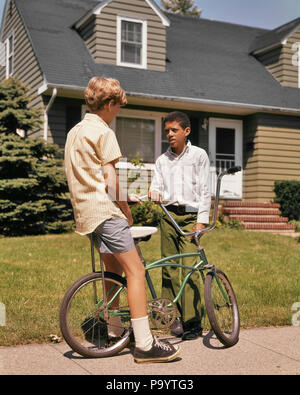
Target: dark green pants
pixel 189 305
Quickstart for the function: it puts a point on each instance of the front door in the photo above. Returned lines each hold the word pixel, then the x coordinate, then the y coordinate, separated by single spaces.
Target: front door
pixel 225 151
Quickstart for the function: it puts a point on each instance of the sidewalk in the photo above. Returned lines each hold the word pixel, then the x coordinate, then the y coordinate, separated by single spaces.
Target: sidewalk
pixel 273 351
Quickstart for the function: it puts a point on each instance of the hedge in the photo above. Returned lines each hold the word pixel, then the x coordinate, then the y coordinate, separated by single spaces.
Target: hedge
pixel 288 196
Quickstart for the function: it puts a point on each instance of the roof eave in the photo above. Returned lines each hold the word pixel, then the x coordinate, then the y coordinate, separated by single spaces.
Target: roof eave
pixel 274 45
pixel 47 88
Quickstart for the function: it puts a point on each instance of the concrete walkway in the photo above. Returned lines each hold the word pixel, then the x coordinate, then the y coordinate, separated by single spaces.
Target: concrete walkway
pixel 270 351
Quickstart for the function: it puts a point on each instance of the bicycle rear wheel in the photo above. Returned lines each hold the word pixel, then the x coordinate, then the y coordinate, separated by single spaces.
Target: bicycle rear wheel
pixel 84 320
pixel 221 306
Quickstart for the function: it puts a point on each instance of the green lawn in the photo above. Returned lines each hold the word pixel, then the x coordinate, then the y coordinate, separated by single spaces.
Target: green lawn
pixel 36 271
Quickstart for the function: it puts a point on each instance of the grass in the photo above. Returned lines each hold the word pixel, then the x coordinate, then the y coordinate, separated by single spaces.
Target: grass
pixel 35 272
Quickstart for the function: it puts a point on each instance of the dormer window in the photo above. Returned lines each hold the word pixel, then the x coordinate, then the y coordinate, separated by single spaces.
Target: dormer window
pixel 131 42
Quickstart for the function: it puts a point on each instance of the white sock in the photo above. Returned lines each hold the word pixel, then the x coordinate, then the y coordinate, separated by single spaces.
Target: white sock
pixel 142 334
pixel 115 326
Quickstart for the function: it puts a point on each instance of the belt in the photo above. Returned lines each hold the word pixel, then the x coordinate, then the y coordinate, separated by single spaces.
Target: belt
pixel 181 210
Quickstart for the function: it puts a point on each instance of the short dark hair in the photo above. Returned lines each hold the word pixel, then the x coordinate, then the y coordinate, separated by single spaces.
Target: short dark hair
pixel 180 117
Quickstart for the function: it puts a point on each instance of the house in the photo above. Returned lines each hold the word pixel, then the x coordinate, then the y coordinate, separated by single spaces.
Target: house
pixel 239 84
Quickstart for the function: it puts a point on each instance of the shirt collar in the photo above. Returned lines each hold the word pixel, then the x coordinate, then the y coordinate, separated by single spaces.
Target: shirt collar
pixel 186 149
pixel 94 118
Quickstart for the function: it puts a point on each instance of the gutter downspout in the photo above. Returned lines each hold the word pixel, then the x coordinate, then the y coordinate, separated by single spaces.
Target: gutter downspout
pixel 46 112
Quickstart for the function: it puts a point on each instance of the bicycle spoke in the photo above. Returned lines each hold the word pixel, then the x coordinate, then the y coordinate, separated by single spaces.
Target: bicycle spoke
pixel 85 318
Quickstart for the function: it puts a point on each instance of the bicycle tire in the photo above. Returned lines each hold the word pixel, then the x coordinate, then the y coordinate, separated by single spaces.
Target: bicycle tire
pixel 223 316
pixel 81 324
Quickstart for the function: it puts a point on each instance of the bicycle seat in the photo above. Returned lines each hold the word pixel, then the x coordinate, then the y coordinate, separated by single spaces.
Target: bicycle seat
pixel 142 232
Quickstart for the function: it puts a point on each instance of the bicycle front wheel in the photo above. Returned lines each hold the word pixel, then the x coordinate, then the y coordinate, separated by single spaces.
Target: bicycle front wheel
pixel 221 306
pixel 91 327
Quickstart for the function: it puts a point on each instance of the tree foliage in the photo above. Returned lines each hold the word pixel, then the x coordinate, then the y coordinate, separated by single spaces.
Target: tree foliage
pixel 184 7
pixel 33 189
pixel 14 111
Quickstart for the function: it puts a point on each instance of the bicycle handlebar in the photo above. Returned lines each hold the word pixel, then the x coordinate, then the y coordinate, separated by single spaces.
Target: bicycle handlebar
pixel 199 233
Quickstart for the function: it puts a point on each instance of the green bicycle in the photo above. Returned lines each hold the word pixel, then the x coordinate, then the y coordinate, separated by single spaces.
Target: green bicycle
pixel 96 297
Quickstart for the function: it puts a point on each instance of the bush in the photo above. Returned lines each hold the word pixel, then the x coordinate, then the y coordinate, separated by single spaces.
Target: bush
pixel 146 214
pixel 223 221
pixel 33 189
pixel 288 196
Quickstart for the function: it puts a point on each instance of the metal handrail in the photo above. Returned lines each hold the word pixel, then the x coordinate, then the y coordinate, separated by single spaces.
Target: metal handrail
pixel 197 234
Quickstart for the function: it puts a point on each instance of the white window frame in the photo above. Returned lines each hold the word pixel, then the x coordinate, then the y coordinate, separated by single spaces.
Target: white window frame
pixel 9 54
pixel 128 113
pixel 143 64
pixel 299 65
pixel 156 117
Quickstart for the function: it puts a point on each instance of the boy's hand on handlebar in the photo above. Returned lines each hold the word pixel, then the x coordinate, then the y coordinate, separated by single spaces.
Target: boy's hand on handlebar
pixel 198 226
pixel 155 196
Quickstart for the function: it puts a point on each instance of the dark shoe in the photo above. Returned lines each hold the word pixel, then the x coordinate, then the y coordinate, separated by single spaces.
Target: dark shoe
pixel 192 333
pixel 161 351
pixel 177 328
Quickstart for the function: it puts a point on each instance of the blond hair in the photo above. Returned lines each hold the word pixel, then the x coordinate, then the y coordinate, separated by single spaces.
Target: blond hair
pixel 101 90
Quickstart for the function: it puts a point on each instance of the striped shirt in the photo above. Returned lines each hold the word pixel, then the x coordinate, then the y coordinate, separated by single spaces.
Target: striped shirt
pixel 184 180
pixel 90 145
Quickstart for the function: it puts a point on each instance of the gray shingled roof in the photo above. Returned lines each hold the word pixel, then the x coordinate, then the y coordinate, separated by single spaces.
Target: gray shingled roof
pixel 208 60
pixel 275 36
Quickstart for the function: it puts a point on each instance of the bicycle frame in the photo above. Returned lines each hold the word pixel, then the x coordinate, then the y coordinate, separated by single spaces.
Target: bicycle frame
pixel 203 264
pixel 164 262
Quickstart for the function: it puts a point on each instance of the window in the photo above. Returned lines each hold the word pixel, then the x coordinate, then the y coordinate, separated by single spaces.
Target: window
pixel 9 55
pixel 139 132
pixel 299 65
pixel 131 42
pixel 135 136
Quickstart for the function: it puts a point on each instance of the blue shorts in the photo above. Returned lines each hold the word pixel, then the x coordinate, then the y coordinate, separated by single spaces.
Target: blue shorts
pixel 113 236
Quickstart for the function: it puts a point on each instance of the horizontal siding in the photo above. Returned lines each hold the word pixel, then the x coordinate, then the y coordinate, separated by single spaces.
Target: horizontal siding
pixel 275 155
pixel 100 33
pixel 290 70
pixel 279 62
pixel 26 67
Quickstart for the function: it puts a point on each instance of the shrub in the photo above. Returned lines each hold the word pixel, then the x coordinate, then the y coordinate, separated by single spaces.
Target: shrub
pixel 146 213
pixel 33 189
pixel 288 196
pixel 223 221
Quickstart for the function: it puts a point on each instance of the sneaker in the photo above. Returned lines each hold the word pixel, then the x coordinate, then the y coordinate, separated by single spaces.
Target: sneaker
pixel 161 351
pixel 177 328
pixel 192 332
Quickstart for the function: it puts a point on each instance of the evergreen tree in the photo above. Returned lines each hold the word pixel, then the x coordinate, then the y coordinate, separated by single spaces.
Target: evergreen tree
pixel 14 114
pixel 33 189
pixel 184 7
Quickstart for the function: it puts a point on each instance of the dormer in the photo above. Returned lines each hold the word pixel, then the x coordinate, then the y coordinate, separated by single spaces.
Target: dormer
pixel 126 33
pixel 279 51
